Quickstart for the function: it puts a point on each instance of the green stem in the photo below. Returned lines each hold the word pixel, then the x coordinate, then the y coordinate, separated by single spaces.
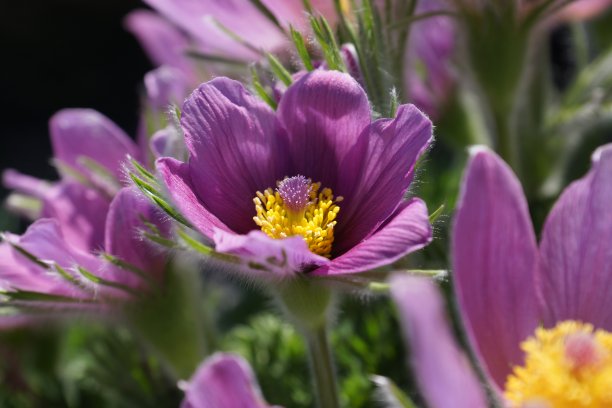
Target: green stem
pixel 322 367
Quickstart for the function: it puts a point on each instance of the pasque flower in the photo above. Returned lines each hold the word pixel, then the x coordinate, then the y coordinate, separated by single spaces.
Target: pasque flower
pixel 538 319
pixel 84 213
pixel 314 187
pixel 224 381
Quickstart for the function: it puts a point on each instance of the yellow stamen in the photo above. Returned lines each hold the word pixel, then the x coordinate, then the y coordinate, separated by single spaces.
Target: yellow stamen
pixel 569 365
pixel 313 218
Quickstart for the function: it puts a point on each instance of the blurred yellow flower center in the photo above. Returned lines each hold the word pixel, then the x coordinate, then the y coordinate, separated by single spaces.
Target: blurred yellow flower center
pixel 569 365
pixel 298 208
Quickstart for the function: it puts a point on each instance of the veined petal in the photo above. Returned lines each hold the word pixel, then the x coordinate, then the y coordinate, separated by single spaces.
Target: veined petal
pixel 495 263
pixel 268 257
pixel 384 175
pixel 407 231
pixel 175 175
pixel 576 249
pixel 77 133
pixel 80 211
pixel 224 381
pixel 234 151
pixel 322 116
pixel 163 43
pixel 124 238
pixel 441 369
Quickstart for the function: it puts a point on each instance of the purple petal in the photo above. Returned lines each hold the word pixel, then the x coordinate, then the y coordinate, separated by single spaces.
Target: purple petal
pixel 44 239
pixel 24 184
pixel 165 85
pixel 496 261
pixel 167 142
pixel 77 133
pixel 322 114
pixel 291 12
pixel 272 258
pixel 163 43
pixel 393 147
pixel 178 182
pixel 234 150
pixel 201 20
pixel 576 248
pixel 442 371
pixel 124 238
pixel 81 213
pixel 224 381
pixel 407 231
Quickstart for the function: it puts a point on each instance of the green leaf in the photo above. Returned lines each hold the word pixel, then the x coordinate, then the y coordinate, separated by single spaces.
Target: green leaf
pixel 259 89
pixel 279 70
pixel 300 46
pixel 101 281
pixel 390 393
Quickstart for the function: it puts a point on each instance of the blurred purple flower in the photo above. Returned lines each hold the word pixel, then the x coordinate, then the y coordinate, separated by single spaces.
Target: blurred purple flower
pixel 86 212
pixel 506 287
pixel 321 131
pixel 224 381
pixel 429 75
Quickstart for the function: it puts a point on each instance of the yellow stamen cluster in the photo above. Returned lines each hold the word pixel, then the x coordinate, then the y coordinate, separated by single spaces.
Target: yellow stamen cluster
pixel 314 221
pixel 567 366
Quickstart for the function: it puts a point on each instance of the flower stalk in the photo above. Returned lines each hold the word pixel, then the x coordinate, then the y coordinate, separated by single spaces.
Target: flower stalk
pixel 308 306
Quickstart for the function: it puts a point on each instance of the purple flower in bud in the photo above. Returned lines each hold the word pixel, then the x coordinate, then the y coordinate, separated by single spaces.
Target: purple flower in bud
pixel 339 206
pixel 538 319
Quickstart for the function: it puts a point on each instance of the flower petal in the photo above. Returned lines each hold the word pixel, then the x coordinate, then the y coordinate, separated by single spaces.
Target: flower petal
pixel 77 133
pixel 322 114
pixel 124 238
pixel 43 239
pixel 496 262
pixel 441 369
pixel 393 147
pixel 165 85
pixel 224 381
pixel 175 175
pixel 267 257
pixel 163 43
pixel 407 231
pixel 234 152
pixel 576 248
pixel 202 20
pixel 81 213
pixel 24 184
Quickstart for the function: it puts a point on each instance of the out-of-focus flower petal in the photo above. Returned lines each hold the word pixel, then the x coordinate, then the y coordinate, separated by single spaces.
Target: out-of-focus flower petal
pixel 234 152
pixel 495 260
pixel 576 249
pixel 24 184
pixel 163 43
pixel 441 369
pixel 202 20
pixel 407 231
pixel 583 10
pixel 322 115
pixel 77 133
pixel 168 142
pixel 175 175
pixel 80 211
pixel 43 239
pixel 385 173
pixel 165 85
pixel 224 381
pixel 271 258
pixel 124 238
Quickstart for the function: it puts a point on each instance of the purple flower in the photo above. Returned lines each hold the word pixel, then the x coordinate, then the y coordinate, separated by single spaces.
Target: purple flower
pixel 429 76
pixel 318 146
pixel 224 381
pixel 84 213
pixel 506 287
pixel 213 25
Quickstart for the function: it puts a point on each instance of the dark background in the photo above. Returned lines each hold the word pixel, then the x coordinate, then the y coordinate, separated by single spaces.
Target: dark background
pixel 57 54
